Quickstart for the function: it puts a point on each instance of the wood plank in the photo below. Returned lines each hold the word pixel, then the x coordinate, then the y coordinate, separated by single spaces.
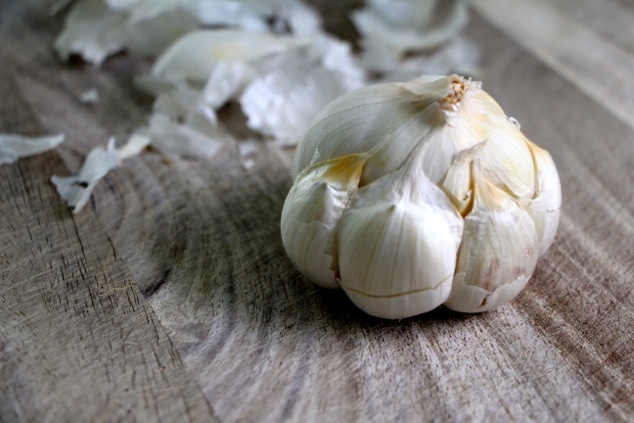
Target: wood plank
pixel 251 328
pixel 594 65
pixel 589 272
pixel 610 19
pixel 78 342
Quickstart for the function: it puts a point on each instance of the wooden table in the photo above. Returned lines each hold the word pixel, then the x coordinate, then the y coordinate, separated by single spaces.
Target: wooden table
pixel 170 297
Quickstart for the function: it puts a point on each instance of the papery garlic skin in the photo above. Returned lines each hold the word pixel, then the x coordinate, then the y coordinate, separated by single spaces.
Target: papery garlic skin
pixel 291 88
pixel 77 189
pixel 194 56
pixel 14 146
pixel 96 29
pixel 451 205
pixel 391 29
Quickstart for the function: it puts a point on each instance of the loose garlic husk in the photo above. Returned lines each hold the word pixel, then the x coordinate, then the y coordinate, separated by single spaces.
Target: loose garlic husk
pixel 412 195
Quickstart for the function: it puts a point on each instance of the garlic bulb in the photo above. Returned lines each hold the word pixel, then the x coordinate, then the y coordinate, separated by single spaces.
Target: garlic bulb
pixel 416 194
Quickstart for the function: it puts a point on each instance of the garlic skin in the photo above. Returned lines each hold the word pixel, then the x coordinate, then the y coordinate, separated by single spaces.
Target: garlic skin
pixel 415 194
pixel 14 146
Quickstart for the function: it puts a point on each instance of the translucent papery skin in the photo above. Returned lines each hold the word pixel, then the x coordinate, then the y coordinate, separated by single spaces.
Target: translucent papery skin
pixel 194 56
pixel 452 204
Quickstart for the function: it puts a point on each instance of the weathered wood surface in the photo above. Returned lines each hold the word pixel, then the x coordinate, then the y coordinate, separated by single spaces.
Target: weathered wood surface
pixel 171 295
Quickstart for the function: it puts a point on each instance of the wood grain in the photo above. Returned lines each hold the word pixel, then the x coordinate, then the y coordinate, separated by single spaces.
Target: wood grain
pixel 78 341
pixel 200 241
pixel 610 20
pixel 600 68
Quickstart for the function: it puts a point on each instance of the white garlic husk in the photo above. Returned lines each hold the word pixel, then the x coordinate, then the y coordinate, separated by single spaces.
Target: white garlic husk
pixel 416 194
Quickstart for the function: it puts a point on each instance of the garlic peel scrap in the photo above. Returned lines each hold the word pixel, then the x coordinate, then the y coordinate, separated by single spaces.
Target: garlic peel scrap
pixel 96 29
pixel 452 204
pixel 394 30
pixel 88 31
pixel 13 146
pixel 408 31
pixel 294 86
pixel 278 16
pixel 76 189
pixel 276 105
pixel 183 124
pixel 194 56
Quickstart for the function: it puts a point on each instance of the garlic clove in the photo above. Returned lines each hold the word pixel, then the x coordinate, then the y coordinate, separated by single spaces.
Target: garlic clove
pixel 458 182
pixel 387 120
pixel 397 246
pixel 474 299
pixel 545 206
pixel 508 161
pixel 505 158
pixel 312 211
pixel 498 252
pixel 445 143
pixel 348 126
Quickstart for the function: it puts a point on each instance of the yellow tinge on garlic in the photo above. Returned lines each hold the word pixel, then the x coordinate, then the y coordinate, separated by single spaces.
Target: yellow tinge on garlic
pixel 416 194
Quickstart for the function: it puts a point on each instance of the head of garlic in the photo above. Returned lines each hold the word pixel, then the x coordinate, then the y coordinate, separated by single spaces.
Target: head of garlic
pixel 416 194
